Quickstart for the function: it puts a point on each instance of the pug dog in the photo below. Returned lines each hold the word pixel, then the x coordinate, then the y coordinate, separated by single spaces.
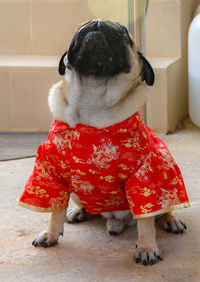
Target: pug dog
pixel 106 82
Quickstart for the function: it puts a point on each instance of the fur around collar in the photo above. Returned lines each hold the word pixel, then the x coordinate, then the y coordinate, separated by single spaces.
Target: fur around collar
pixel 62 110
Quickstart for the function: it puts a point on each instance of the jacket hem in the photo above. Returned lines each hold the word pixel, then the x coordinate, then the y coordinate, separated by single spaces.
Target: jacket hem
pixel 161 211
pixel 38 209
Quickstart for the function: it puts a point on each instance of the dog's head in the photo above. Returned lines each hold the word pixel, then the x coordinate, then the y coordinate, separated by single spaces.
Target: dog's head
pixel 103 48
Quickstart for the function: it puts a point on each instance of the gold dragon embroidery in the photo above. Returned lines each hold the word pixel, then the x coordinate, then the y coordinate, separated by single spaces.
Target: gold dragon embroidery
pixel 168 198
pixel 60 202
pixel 79 184
pixel 103 154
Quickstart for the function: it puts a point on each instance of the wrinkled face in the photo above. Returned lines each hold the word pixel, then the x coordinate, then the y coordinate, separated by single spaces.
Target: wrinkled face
pixel 102 48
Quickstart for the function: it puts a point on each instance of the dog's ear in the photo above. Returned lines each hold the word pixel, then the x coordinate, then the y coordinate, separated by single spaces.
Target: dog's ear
pixel 62 66
pixel 147 72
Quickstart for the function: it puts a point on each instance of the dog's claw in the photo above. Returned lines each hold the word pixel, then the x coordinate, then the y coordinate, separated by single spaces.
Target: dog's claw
pixel 147 258
pixel 137 258
pixel 158 256
pixel 144 262
pixel 183 224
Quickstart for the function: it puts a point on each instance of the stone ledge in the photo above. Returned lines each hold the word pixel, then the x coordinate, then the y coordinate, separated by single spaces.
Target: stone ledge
pixel 163 112
pixel 29 62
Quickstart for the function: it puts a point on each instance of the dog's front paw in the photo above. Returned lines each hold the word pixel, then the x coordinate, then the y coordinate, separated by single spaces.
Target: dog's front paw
pixel 147 256
pixel 45 239
pixel 172 224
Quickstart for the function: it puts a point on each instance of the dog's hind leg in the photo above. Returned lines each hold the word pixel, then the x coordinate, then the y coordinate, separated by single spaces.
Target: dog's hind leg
pixel 170 223
pixel 75 211
pixel 117 221
pixel 49 237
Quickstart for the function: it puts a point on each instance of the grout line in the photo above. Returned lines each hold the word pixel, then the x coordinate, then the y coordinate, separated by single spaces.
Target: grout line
pixel 18 158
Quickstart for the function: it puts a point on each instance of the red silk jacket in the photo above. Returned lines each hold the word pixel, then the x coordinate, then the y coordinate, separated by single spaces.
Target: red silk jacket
pixel 121 167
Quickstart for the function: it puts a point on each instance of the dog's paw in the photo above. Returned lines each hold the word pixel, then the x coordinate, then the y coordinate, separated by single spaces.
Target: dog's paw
pixel 45 239
pixel 115 226
pixel 75 215
pixel 172 224
pixel 147 256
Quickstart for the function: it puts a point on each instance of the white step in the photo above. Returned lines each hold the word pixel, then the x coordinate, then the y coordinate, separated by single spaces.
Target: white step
pixel 24 86
pixel 29 62
pixel 167 104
